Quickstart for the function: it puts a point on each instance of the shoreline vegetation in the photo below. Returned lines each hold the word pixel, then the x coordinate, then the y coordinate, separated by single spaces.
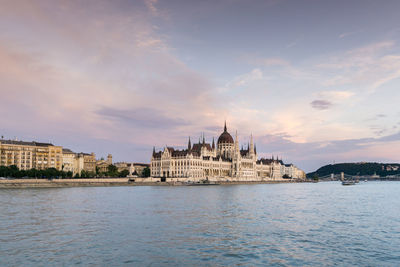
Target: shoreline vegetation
pixel 93 182
pixel 358 169
pixel 51 173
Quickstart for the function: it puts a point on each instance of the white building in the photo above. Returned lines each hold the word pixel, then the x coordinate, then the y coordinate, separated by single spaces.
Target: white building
pixel 291 171
pixel 68 161
pixel 221 162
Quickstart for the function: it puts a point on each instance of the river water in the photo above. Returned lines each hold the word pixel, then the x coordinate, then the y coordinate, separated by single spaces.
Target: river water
pixel 253 225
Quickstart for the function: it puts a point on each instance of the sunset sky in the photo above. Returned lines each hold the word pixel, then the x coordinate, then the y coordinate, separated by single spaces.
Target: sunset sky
pixel 315 82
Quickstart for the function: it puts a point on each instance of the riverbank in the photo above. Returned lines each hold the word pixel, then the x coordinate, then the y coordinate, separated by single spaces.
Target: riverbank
pixel 45 183
pixel 57 183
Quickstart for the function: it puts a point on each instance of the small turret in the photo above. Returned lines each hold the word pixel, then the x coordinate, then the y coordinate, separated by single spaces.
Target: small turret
pixel 189 145
pixel 213 144
pixel 154 151
pixel 204 140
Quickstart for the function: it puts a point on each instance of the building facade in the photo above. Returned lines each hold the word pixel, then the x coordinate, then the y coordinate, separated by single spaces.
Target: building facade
pixel 36 155
pixel 30 155
pixel 102 165
pixel 69 158
pixel 89 161
pixel 223 161
pixel 135 169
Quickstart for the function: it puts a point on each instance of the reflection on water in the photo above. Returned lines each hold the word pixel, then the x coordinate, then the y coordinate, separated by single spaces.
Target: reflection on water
pixel 280 224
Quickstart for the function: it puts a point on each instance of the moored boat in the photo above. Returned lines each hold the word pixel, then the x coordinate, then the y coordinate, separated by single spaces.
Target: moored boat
pixel 348 183
pixel 201 184
pixel 205 182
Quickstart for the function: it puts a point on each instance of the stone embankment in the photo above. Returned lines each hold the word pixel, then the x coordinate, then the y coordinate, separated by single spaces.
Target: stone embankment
pixel 41 183
pixel 45 183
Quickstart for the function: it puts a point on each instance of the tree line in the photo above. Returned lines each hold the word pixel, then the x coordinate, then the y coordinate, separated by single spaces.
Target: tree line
pixel 367 168
pixel 14 172
pixel 112 171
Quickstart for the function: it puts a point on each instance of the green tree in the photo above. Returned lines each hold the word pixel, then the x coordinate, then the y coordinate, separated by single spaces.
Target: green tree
pixel 112 171
pixel 146 172
pixel 123 173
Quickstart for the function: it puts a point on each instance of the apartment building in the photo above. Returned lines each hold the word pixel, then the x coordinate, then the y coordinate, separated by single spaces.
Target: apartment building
pixel 29 155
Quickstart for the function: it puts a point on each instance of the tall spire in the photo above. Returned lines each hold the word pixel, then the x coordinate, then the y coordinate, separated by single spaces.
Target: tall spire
pixel 237 143
pixel 225 130
pixel 204 140
pixel 213 144
pixel 251 145
pixel 154 150
pixel 189 144
pixel 255 149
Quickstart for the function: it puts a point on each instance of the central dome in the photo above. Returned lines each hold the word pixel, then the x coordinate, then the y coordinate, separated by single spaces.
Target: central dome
pixel 225 137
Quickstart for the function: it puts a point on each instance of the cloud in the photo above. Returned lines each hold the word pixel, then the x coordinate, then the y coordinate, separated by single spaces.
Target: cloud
pixel 347 34
pixel 151 5
pixel 321 104
pixel 142 117
pixel 312 155
pixel 107 71
pixel 97 73
pixel 365 69
pixel 260 61
pixel 336 95
pixel 292 44
pixel 246 79
pixel 274 62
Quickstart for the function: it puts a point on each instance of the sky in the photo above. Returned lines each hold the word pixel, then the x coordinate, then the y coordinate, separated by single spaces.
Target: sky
pixel 315 82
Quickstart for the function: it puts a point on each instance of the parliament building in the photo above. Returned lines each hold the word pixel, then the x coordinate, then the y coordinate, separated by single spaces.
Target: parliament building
pixel 223 161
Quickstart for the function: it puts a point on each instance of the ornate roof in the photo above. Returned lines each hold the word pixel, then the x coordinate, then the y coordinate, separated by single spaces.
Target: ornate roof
pixel 197 147
pixel 225 137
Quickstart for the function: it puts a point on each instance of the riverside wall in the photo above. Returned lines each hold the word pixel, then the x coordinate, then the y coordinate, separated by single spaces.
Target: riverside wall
pixel 137 181
pixel 28 183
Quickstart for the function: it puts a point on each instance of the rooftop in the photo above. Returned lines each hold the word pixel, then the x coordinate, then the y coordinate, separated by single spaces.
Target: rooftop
pixel 24 143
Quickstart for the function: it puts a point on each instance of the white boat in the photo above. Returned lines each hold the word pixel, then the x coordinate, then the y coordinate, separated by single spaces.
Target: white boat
pixel 348 183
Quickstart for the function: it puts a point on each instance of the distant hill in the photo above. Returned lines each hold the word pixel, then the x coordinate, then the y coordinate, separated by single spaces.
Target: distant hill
pixel 360 168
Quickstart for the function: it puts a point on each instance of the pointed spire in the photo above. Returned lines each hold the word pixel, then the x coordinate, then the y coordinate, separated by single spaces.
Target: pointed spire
pixel 189 145
pixel 204 140
pixel 225 130
pixel 237 143
pixel 213 144
pixel 255 149
pixel 251 145
pixel 154 151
